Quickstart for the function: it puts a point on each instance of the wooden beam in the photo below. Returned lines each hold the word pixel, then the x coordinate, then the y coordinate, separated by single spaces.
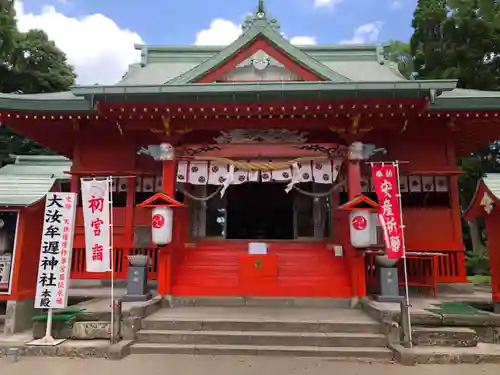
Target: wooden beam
pixel 264 150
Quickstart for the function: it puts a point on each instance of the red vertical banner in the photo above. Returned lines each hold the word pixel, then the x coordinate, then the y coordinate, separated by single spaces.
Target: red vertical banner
pixel 386 182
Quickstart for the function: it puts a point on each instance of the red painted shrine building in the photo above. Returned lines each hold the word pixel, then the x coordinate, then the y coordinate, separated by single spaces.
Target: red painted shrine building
pixel 262 131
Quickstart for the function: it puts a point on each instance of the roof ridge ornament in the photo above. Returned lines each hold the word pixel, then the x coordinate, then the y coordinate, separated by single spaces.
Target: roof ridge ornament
pixel 259 18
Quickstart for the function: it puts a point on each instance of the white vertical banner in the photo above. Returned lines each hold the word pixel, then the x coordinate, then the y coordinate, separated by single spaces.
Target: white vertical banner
pixel 96 217
pixel 54 265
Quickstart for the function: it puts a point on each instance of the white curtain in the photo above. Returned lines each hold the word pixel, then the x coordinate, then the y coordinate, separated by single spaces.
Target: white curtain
pixel 213 173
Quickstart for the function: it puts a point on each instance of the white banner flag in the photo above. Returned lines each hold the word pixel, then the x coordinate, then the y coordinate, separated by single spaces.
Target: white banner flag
pixel 96 218
pixel 55 252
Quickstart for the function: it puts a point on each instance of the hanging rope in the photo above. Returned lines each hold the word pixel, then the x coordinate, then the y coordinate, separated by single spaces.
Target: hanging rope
pixel 320 195
pixel 259 166
pixel 200 199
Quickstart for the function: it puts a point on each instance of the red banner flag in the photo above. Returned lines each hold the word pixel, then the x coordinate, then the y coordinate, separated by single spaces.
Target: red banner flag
pixel 385 180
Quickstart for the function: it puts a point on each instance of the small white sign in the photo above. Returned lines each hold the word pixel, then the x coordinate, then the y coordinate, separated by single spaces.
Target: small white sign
pixel 257 248
pixel 5 266
pixel 55 251
pixel 96 217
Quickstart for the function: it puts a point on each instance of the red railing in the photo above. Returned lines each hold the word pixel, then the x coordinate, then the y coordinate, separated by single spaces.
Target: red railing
pixel 425 269
pixel 78 270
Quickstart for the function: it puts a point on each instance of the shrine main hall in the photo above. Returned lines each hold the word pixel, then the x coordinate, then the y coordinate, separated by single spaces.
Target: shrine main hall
pixel 261 135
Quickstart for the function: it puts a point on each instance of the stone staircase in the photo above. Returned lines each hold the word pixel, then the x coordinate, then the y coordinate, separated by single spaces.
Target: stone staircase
pixel 317 332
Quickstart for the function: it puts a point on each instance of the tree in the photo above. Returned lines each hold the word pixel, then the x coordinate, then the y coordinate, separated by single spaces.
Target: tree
pixel 460 39
pixel 39 66
pixel 399 52
pixel 8 33
pixel 7 28
pixel 29 63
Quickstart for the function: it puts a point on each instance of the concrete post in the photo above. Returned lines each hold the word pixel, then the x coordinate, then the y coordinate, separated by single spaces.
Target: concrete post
pixel 18 316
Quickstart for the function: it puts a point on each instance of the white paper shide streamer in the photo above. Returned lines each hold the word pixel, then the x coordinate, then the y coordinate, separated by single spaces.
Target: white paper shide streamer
pixel 96 216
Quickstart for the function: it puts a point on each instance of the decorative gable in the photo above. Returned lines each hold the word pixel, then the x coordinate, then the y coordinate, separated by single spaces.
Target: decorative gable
pixel 261 37
pixel 260 67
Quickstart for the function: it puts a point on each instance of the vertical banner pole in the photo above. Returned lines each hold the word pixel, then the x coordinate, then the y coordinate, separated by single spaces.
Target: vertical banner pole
pixel 48 330
pixel 112 260
pixel 405 268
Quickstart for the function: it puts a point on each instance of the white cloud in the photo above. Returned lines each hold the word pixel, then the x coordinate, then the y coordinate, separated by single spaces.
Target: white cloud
pixel 223 32
pixel 220 33
pixel 304 40
pixel 367 33
pixel 95 45
pixel 326 3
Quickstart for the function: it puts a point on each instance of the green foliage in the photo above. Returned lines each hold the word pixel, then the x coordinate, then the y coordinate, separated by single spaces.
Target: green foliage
pixel 30 63
pixel 39 66
pixel 8 30
pixel 477 264
pixel 399 53
pixel 460 39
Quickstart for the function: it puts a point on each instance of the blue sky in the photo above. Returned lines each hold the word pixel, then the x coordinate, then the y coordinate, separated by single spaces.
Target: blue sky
pixel 98 36
pixel 178 21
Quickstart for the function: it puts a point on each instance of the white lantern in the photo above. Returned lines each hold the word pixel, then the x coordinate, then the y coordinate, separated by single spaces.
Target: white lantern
pixel 361 227
pixel 161 225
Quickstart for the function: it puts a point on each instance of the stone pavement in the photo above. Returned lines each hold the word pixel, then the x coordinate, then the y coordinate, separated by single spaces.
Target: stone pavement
pixel 226 365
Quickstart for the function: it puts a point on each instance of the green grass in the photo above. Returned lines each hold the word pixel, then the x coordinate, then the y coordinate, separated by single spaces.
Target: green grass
pixel 451 308
pixel 479 279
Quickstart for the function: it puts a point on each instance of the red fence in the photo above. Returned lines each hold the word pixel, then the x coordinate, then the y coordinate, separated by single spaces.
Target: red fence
pixel 120 264
pixel 425 269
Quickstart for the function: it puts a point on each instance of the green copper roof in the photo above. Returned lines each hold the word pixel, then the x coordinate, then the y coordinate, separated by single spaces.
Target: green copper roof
pixel 264 90
pixel 60 101
pixel 463 99
pixel 19 191
pixel 259 29
pixel 45 166
pixel 165 75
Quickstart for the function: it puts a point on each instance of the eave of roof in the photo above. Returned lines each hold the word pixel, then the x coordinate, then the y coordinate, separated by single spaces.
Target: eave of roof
pixel 418 88
pixel 49 102
pixel 489 184
pixel 256 91
pixel 461 99
pixel 22 191
pixel 43 166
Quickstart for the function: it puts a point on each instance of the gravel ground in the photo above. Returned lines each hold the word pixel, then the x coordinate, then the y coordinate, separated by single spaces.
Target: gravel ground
pixel 226 365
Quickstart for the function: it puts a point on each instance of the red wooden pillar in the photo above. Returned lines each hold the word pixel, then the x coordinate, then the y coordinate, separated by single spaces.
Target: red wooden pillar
pixel 353 179
pixel 165 252
pixel 355 258
pixel 74 183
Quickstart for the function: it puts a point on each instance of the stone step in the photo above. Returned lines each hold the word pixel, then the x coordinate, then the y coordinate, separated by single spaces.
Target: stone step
pixel 265 302
pixel 444 337
pixel 262 338
pixel 301 351
pixel 260 325
pixel 482 353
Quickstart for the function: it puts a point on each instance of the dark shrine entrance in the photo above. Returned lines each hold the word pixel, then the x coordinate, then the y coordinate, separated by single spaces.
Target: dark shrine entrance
pixel 259 211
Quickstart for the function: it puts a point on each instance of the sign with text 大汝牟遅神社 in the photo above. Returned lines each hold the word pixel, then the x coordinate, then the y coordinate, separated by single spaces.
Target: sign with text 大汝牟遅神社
pixel 97 220
pixel 55 252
